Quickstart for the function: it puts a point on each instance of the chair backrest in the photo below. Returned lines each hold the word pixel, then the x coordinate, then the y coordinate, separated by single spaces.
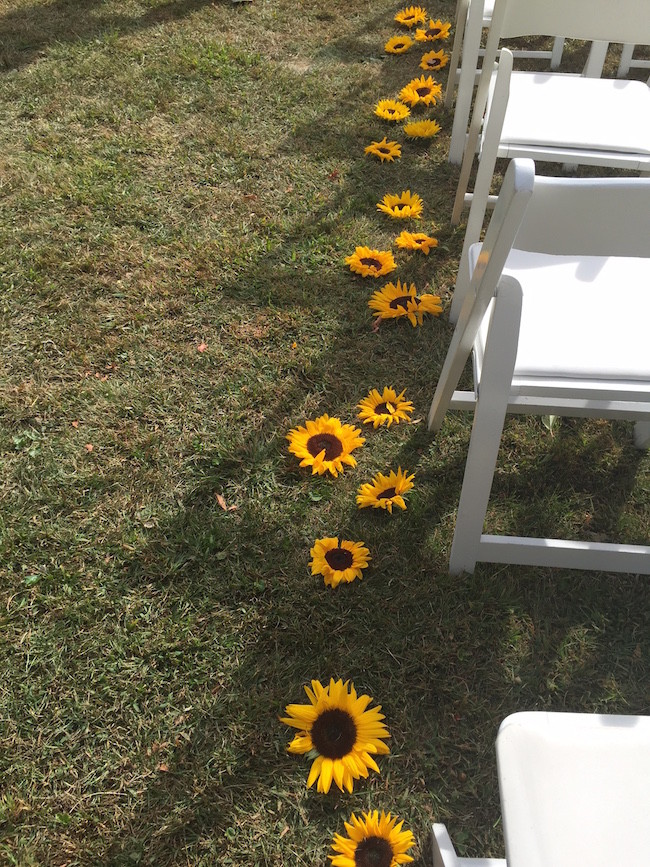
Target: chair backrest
pixel 577 19
pixel 575 789
pixel 588 217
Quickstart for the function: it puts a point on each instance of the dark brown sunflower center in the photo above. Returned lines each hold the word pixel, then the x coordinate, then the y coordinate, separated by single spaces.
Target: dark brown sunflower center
pixel 383 150
pixel 401 301
pixel 327 442
pixel 382 409
pixel 373 852
pixel 433 31
pixel 398 45
pixel 339 559
pixel 423 91
pixel 433 63
pixel 334 733
pixel 391 110
pixel 369 262
pixel 388 494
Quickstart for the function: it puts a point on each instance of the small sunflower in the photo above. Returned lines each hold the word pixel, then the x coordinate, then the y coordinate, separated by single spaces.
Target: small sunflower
pixel 411 15
pixel 398 44
pixel 416 241
pixel 371 263
pixel 401 206
pixel 433 60
pixel 393 301
pixel 421 90
pixel 339 562
pixel 325 445
pixel 372 841
pixel 422 129
pixel 386 408
pixel 384 492
pixel 338 728
pixel 384 150
pixel 391 109
pixel 436 30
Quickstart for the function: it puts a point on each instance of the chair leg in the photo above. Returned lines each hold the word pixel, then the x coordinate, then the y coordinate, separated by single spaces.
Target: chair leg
pixel 642 434
pixel 444 854
pixel 454 61
pixel 596 60
pixel 556 54
pixel 626 60
pixel 489 417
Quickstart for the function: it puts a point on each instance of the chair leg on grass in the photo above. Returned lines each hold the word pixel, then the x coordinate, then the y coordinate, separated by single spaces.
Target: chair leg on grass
pixel 489 418
pixel 642 434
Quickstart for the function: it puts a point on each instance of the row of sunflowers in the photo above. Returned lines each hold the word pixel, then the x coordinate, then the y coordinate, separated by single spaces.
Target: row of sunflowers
pixel 338 729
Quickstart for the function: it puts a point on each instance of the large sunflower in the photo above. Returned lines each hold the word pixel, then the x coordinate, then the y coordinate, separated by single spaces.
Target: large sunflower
pixel 416 241
pixel 386 408
pixel 433 60
pixel 436 30
pixel 411 15
pixel 391 109
pixel 421 129
pixel 371 263
pixel 398 44
pixel 339 562
pixel 401 206
pixel 325 445
pixel 393 301
pixel 421 90
pixel 338 728
pixel 372 841
pixel 384 492
pixel 384 150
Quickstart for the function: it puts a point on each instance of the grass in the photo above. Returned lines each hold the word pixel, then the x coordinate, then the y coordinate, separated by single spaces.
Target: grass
pixel 189 174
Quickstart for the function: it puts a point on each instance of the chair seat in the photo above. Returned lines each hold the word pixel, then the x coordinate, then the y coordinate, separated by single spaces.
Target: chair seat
pixel 571 112
pixel 591 312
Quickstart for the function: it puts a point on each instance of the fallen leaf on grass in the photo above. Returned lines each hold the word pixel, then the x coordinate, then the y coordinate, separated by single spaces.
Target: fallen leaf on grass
pixel 223 504
pixel 75 423
pixel 375 325
pixel 201 347
pixel 89 447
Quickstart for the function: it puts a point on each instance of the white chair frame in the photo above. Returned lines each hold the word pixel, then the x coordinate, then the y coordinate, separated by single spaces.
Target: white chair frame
pixel 574 18
pixel 628 61
pixel 585 217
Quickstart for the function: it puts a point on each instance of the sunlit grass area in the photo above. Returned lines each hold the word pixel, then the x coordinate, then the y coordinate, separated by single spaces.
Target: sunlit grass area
pixel 180 183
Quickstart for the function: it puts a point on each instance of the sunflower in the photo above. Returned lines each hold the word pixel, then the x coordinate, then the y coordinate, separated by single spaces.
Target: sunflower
pixel 391 109
pixel 372 841
pixel 398 44
pixel 371 263
pixel 339 562
pixel 411 15
pixel 386 408
pixel 339 729
pixel 393 301
pixel 421 90
pixel 433 60
pixel 384 150
pixel 325 445
pixel 402 205
pixel 422 129
pixel 435 30
pixel 416 241
pixel 384 492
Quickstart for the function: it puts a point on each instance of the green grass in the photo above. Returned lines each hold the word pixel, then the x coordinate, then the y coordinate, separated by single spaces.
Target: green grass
pixel 179 173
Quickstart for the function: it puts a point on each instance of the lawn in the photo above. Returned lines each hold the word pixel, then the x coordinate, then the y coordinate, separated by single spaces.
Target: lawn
pixel 180 183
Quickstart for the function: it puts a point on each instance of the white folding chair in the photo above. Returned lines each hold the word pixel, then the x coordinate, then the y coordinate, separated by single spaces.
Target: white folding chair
pixel 629 61
pixel 557 117
pixel 548 339
pixel 472 17
pixel 575 791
